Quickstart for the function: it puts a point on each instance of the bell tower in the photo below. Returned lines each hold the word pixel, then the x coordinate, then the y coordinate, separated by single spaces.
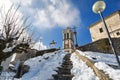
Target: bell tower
pixel 68 40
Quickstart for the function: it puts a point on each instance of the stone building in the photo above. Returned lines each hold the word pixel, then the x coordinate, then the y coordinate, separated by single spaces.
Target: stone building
pixel 68 40
pixel 98 31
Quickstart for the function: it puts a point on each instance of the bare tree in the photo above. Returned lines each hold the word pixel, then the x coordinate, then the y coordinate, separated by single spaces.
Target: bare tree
pixel 13 32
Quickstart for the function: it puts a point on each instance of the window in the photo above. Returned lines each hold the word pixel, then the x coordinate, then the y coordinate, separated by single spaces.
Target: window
pixel 67 35
pixel 64 36
pixel 118 33
pixel 101 30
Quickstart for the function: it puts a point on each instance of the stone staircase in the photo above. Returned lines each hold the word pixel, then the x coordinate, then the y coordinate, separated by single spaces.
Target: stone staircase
pixel 64 72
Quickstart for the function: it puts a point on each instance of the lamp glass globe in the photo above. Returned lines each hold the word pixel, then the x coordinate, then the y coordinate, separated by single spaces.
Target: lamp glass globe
pixel 98 6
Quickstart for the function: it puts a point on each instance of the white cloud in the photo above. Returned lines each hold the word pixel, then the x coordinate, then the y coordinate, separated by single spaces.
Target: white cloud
pixel 5 4
pixel 58 12
pixel 46 14
pixel 50 13
pixel 8 13
pixel 43 20
pixel 22 2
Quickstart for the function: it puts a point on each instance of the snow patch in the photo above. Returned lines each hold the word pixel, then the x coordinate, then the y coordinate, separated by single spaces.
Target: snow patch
pixel 102 57
pixel 102 60
pixel 42 67
pixel 8 49
pixel 114 74
pixel 39 46
pixel 80 70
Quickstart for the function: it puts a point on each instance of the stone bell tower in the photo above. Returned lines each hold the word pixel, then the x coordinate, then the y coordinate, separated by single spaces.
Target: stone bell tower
pixel 68 40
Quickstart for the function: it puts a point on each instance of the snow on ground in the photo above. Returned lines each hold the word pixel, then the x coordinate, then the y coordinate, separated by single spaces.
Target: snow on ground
pixel 7 75
pixel 114 74
pixel 8 49
pixel 80 70
pixel 101 57
pixel 102 60
pixel 41 68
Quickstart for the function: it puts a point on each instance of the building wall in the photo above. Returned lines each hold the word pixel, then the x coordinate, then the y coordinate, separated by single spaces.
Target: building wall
pixel 113 24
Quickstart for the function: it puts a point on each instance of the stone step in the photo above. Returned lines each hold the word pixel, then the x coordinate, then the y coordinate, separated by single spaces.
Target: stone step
pixel 66 63
pixel 66 58
pixel 66 66
pixel 63 77
pixel 64 72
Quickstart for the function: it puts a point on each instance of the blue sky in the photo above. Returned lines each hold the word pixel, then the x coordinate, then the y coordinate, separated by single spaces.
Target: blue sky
pixel 49 17
pixel 87 18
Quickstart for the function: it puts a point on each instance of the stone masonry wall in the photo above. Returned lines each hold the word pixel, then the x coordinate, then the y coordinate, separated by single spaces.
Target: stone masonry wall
pixel 102 46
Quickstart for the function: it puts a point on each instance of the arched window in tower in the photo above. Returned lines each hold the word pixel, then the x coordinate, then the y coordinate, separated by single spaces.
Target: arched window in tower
pixel 67 35
pixel 64 36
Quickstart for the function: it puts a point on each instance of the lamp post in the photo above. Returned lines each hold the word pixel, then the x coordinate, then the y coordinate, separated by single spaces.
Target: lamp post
pixel 98 8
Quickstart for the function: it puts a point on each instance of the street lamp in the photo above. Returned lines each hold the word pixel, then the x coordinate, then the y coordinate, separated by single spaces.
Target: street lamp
pixel 98 8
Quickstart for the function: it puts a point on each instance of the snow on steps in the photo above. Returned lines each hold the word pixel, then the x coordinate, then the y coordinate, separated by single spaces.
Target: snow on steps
pixel 64 71
pixel 42 67
pixel 99 73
